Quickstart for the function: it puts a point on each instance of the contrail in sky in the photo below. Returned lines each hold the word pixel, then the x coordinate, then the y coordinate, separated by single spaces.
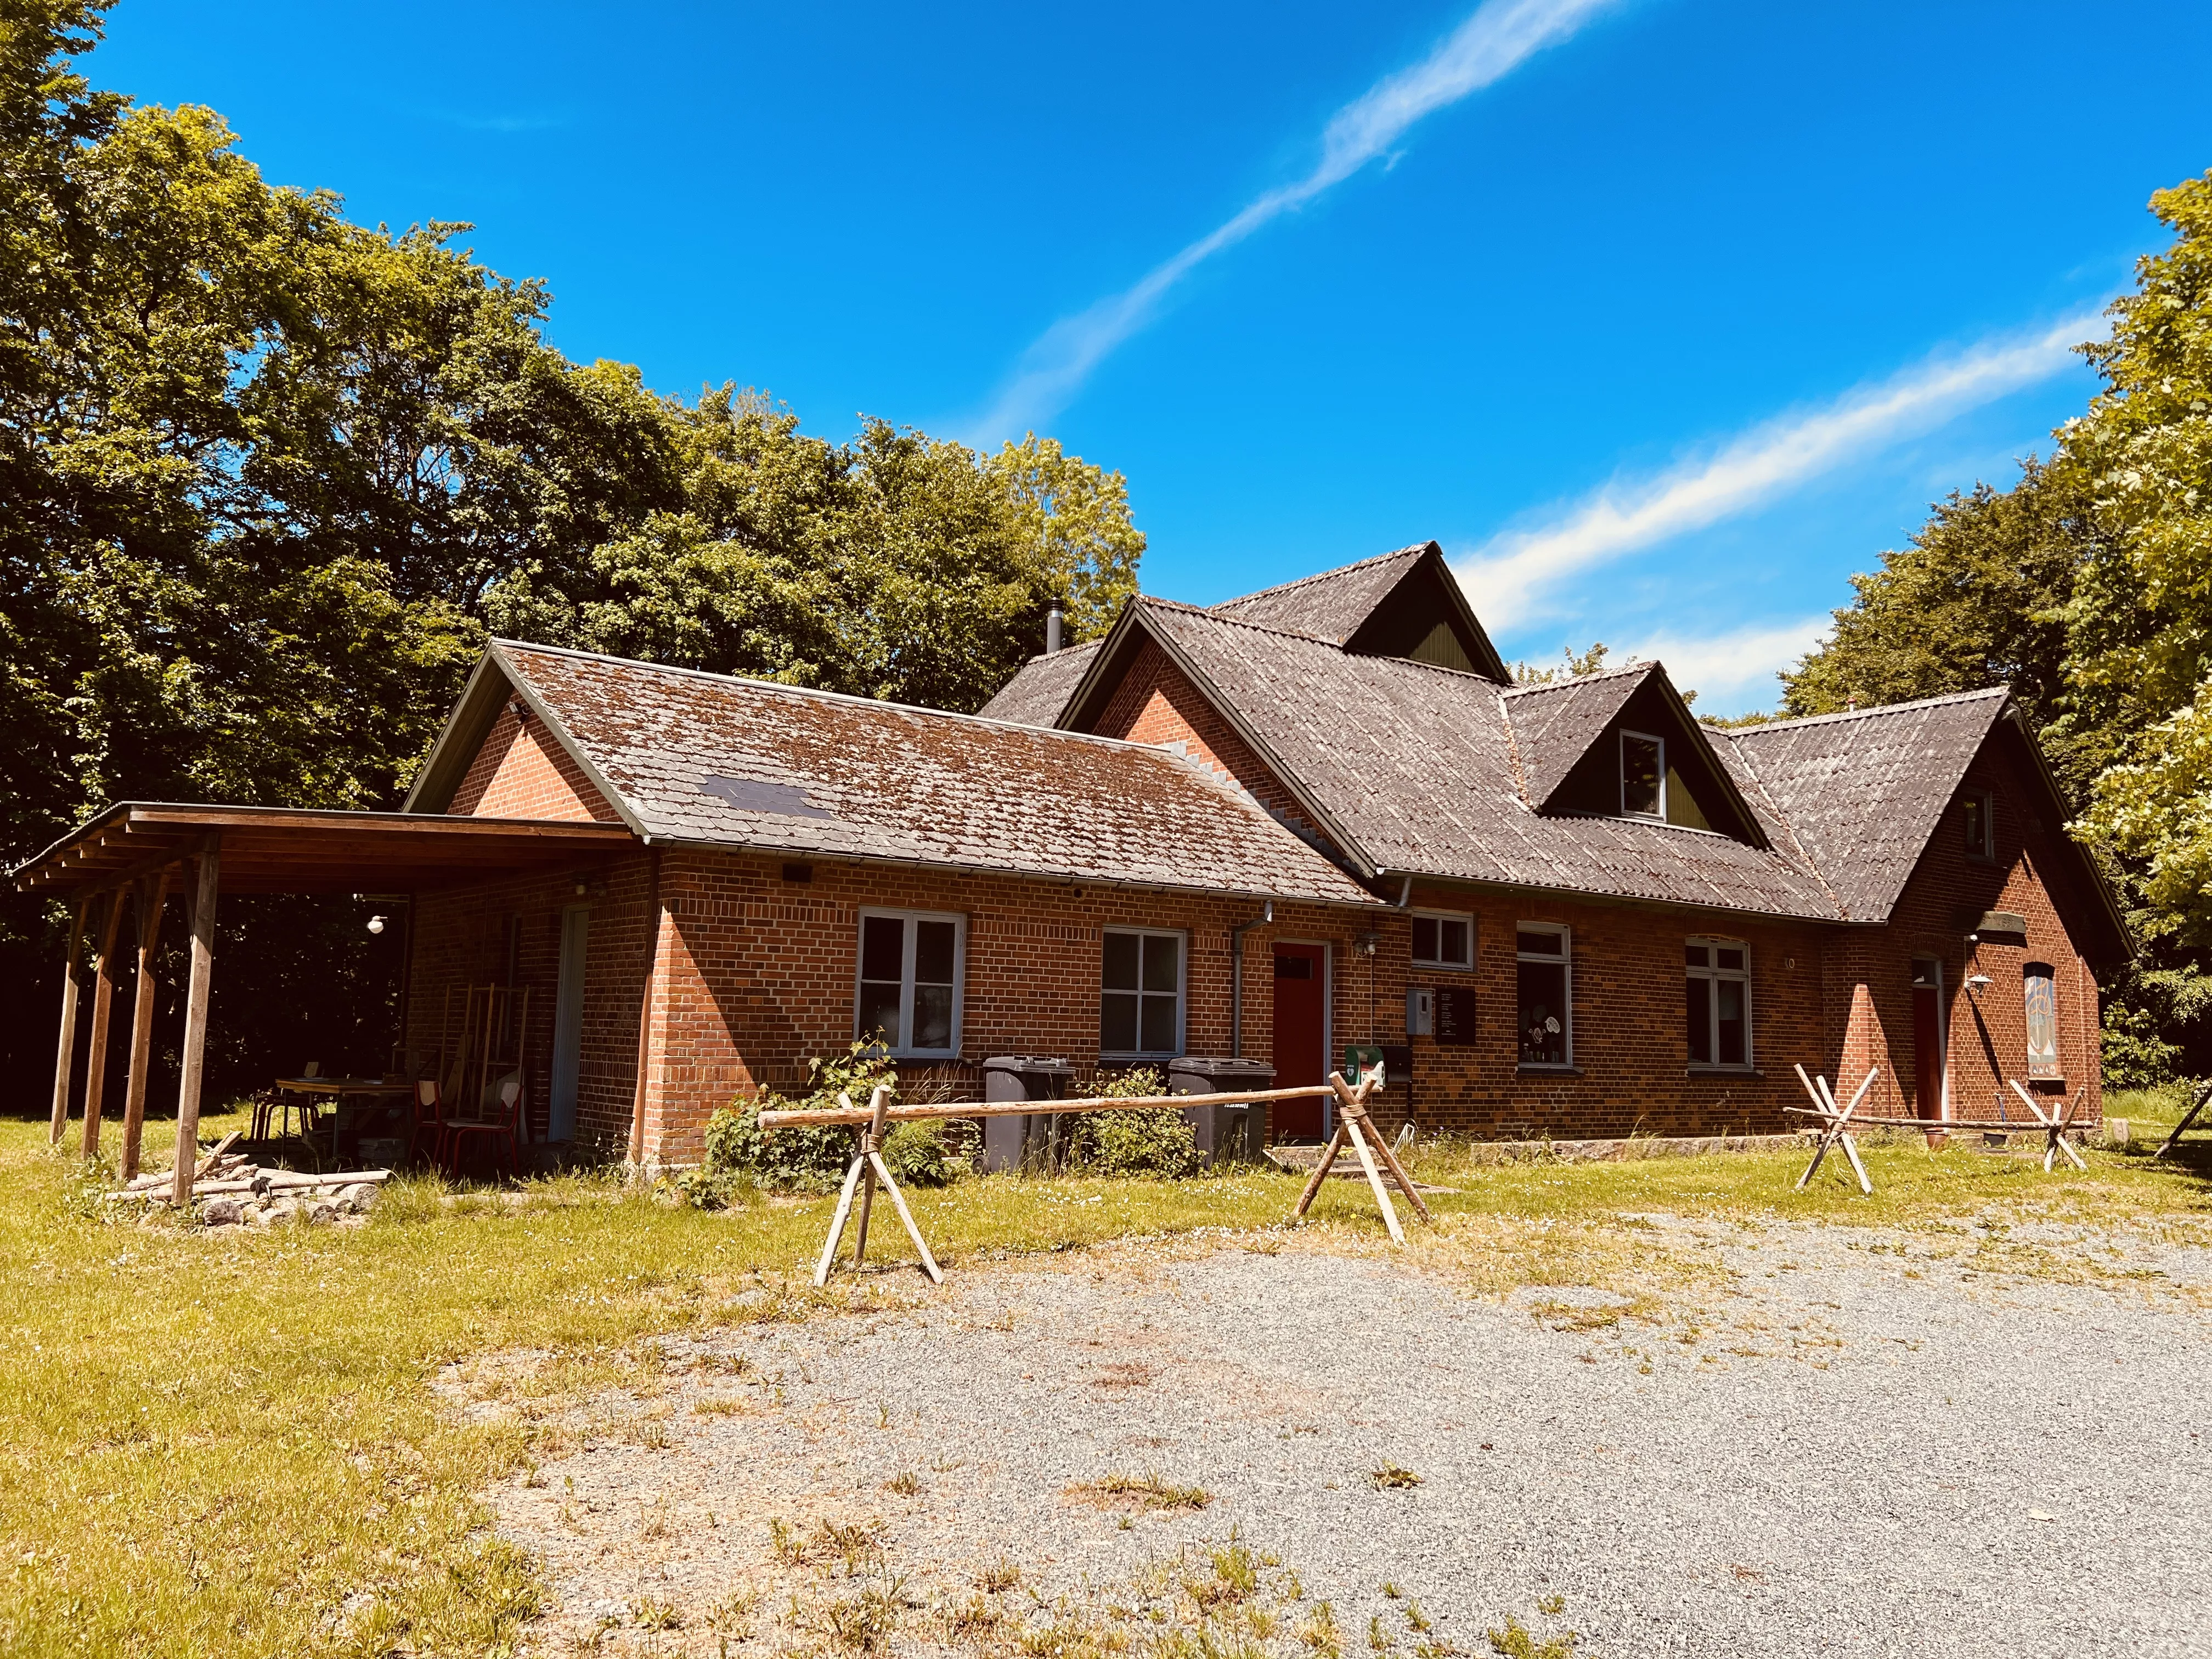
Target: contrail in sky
pixel 1505 577
pixel 1487 47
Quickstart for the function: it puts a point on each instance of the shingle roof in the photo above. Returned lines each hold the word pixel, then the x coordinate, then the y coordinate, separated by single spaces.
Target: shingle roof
pixel 706 758
pixel 1555 724
pixel 1863 791
pixel 1329 606
pixel 1041 687
pixel 1412 765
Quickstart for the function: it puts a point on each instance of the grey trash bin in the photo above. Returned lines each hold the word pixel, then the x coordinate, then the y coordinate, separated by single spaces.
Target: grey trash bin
pixel 1226 1134
pixel 1020 1140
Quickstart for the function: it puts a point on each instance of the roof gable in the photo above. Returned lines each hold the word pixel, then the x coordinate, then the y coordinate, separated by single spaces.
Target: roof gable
pixel 1862 792
pixel 1568 736
pixel 713 759
pixel 1406 604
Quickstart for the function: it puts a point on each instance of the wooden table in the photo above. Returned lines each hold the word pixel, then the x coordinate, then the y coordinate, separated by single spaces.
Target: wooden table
pixel 340 1090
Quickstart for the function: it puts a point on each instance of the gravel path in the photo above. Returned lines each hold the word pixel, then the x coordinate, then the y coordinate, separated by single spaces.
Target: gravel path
pixel 1855 1451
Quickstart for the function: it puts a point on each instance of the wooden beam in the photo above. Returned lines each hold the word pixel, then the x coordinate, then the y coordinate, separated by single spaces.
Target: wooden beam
pixel 152 897
pixel 66 1054
pixel 653 922
pixel 195 1008
pixel 103 1002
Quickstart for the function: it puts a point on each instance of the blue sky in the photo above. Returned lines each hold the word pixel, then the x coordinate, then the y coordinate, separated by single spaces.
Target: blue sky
pixel 1664 316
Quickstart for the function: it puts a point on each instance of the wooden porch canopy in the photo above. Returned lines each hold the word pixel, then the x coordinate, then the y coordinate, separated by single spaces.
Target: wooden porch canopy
pixel 134 853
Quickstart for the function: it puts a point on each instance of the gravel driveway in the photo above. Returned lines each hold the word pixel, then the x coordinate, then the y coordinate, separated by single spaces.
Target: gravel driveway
pixel 1854 1450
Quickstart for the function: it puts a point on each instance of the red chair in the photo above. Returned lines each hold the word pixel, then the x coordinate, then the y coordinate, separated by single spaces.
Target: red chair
pixel 499 1125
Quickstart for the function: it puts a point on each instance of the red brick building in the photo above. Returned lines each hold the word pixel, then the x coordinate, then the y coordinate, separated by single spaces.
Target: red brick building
pixel 1565 909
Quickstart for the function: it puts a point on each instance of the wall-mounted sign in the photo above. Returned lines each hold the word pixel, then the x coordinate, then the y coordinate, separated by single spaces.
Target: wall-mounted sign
pixel 1455 1015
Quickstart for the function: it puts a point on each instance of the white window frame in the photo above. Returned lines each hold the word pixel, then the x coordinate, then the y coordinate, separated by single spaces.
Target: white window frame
pixel 907 1051
pixel 1713 975
pixel 1987 852
pixel 1566 961
pixel 1445 963
pixel 1183 993
pixel 1621 756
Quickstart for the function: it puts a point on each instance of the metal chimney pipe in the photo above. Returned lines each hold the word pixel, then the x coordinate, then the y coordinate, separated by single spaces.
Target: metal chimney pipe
pixel 1051 631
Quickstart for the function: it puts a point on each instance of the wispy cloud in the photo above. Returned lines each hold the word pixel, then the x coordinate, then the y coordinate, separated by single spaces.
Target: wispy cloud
pixel 1731 671
pixel 1506 577
pixel 1483 50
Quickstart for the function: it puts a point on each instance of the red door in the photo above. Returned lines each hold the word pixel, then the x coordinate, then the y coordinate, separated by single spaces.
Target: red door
pixel 1301 1036
pixel 1928 1047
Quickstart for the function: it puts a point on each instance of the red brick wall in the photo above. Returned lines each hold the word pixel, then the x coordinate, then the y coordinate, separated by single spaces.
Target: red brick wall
pixel 521 772
pixel 758 973
pixel 1156 702
pixel 1632 1060
pixel 1987 1032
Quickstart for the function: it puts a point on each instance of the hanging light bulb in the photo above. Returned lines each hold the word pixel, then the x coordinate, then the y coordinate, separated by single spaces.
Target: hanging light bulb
pixel 376 924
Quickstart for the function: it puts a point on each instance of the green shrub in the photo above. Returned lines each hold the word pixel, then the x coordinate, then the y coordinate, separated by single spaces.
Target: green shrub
pixel 926 1153
pixel 813 1158
pixel 1155 1142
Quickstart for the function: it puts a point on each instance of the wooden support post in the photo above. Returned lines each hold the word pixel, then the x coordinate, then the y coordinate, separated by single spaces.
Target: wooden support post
pixel 152 897
pixel 103 1004
pixel 1850 1142
pixel 196 1011
pixel 867 1168
pixel 1321 1171
pixel 2203 1096
pixel 66 1054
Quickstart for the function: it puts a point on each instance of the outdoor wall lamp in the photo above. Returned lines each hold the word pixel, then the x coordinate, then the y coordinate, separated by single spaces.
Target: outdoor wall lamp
pixel 376 924
pixel 1979 982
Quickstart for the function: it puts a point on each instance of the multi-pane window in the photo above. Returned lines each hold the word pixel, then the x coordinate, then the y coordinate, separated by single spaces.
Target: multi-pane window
pixel 1443 940
pixel 1545 970
pixel 2042 1020
pixel 1718 1001
pixel 1977 817
pixel 1643 776
pixel 1140 997
pixel 910 986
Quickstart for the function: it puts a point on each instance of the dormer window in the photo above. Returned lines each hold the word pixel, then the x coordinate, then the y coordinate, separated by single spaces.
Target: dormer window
pixel 1643 776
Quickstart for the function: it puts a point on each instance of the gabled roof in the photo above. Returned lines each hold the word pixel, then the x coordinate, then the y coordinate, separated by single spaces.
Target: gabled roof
pixel 1041 687
pixel 1864 791
pixel 1409 768
pixel 1556 722
pixel 1329 606
pixel 692 757
pixel 1378 607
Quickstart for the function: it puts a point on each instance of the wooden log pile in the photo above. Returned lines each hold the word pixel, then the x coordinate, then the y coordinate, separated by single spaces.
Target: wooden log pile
pixel 232 1190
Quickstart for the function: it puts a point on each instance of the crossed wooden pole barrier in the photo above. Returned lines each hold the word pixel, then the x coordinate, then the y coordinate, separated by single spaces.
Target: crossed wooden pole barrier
pixel 2204 1096
pixel 2055 1125
pixel 1351 1120
pixel 1836 1126
pixel 868 1168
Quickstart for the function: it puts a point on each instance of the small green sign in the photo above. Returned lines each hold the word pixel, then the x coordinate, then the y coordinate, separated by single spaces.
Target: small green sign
pixel 1360 1059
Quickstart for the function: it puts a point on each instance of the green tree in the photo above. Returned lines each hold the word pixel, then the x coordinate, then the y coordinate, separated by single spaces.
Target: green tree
pixel 267 479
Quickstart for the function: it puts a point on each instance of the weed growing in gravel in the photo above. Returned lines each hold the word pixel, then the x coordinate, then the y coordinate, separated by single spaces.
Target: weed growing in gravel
pixel 650 1613
pixel 905 1483
pixel 1518 1641
pixel 1000 1576
pixel 1393 1475
pixel 1148 1492
pixel 1319 1633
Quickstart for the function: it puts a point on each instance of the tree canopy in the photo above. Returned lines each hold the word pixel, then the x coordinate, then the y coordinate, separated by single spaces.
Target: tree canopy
pixel 269 479
pixel 2087 586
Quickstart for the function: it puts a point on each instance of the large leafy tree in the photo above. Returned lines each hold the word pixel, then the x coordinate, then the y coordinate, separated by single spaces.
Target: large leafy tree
pixel 267 479
pixel 2088 585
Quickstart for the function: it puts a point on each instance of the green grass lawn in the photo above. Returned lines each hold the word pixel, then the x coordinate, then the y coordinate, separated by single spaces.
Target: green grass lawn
pixel 229 1443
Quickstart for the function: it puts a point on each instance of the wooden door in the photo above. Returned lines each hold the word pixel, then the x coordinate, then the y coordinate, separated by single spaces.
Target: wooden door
pixel 1301 1037
pixel 568 1022
pixel 1928 1046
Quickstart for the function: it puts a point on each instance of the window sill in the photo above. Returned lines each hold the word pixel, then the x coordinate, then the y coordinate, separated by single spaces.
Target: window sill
pixel 1530 1068
pixel 1724 1071
pixel 1160 1058
pixel 1445 967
